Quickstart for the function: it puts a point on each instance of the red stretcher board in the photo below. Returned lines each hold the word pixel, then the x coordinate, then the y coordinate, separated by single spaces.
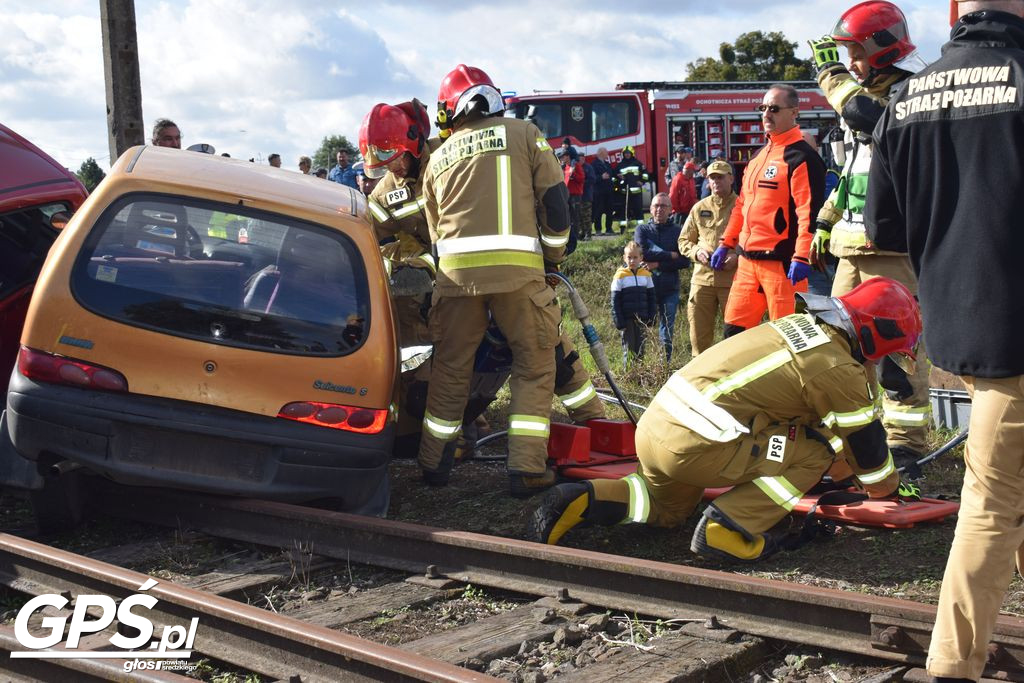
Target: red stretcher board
pixel 889 514
pixel 570 450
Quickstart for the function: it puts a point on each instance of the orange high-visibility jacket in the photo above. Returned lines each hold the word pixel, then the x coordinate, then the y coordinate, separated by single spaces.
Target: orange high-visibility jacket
pixel 783 190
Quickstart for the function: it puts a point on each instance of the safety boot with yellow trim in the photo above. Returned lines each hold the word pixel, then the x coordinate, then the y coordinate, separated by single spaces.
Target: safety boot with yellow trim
pixel 714 538
pixel 562 508
pixel 523 485
pixel 570 505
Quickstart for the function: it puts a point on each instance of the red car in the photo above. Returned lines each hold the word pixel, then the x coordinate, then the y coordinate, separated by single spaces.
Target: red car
pixel 37 196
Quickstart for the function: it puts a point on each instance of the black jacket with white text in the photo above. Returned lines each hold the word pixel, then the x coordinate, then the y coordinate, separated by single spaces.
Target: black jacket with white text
pixel 947 186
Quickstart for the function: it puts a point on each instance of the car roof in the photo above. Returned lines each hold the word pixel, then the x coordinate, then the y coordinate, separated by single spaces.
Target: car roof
pixel 236 178
pixel 27 171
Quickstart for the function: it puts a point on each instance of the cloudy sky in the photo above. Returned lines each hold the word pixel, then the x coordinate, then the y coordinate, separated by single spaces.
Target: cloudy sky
pixel 252 77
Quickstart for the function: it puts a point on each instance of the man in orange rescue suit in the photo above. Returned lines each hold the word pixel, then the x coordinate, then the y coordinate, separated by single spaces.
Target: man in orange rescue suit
pixel 766 412
pixel 498 213
pixel 702 229
pixel 771 226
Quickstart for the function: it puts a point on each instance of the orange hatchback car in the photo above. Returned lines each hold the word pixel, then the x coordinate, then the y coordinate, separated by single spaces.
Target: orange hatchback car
pixel 207 324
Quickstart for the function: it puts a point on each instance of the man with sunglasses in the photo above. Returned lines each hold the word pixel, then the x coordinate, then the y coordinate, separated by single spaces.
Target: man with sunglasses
pixel 770 227
pixel 947 186
pixel 881 57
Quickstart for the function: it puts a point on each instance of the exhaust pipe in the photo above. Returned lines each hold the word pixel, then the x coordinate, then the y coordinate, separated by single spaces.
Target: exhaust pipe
pixel 63 467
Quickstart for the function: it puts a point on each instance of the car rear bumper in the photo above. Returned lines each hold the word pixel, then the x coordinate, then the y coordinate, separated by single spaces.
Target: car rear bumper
pixel 149 441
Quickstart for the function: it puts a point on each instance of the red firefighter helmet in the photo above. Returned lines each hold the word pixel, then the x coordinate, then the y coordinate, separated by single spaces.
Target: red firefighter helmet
pixel 880 28
pixel 459 87
pixel 886 319
pixel 388 131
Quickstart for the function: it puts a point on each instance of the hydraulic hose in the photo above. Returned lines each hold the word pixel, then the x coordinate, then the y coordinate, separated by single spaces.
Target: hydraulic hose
pixel 612 399
pixel 940 451
pixel 597 352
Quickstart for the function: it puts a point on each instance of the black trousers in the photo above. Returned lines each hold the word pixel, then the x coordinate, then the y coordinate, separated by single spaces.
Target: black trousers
pixel 602 210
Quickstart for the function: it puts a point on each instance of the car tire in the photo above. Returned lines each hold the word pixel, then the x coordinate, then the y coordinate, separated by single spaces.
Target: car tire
pixel 60 505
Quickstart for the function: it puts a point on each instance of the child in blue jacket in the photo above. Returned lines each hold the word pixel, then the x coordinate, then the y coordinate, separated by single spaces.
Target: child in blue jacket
pixel 634 306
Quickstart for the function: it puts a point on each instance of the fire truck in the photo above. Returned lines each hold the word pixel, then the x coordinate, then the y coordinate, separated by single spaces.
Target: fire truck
pixel 715 119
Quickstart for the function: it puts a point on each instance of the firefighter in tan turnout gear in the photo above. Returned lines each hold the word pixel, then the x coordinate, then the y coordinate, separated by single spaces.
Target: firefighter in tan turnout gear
pixel 766 411
pixel 497 208
pixel 702 229
pixel 881 57
pixel 394 142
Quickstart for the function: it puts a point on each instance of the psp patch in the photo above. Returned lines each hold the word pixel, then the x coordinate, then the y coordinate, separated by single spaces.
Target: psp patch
pixel 800 332
pixel 776 448
pixel 397 195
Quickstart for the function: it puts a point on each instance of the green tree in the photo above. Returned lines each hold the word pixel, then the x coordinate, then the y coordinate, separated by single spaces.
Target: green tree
pixel 755 56
pixel 90 174
pixel 326 155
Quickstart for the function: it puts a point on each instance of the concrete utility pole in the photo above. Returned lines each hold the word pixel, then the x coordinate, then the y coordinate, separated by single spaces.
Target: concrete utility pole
pixel 121 75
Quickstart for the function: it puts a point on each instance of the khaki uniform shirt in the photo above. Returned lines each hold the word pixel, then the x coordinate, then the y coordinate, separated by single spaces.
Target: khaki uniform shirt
pixel 396 204
pixel 793 371
pixel 483 191
pixel 702 230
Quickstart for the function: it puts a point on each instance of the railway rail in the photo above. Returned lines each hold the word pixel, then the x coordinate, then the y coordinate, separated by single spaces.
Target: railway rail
pixel 884 628
pixel 273 645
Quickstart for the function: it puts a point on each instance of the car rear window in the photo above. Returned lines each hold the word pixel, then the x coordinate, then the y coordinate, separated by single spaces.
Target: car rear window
pixel 224 274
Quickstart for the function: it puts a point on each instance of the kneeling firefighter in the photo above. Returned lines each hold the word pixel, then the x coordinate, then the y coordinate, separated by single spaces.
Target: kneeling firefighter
pixel 395 144
pixel 767 412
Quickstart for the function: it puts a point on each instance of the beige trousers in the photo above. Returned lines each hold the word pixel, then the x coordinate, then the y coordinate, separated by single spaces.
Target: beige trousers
pixel 989 530
pixel 702 310
pixel 577 392
pixel 769 470
pixel 529 318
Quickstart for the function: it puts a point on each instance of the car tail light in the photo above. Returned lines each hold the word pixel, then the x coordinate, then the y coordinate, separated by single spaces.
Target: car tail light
pixel 349 418
pixel 47 367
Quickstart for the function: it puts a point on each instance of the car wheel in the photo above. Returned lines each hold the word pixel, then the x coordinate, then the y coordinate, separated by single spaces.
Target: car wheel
pixel 60 505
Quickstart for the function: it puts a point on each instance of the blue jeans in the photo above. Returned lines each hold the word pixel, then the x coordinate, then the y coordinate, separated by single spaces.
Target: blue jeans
pixel 668 304
pixel 821 283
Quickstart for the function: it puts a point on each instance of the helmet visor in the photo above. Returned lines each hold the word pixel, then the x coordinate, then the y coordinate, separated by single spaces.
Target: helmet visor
pixel 376 160
pixel 494 105
pixel 906 360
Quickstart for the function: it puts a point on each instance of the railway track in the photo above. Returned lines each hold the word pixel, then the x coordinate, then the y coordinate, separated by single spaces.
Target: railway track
pixel 884 628
pixel 719 622
pixel 273 645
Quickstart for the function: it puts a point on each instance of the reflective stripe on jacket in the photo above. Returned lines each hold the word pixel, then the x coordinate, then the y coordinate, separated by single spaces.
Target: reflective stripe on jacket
pixel 793 371
pixel 396 204
pixel 481 189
